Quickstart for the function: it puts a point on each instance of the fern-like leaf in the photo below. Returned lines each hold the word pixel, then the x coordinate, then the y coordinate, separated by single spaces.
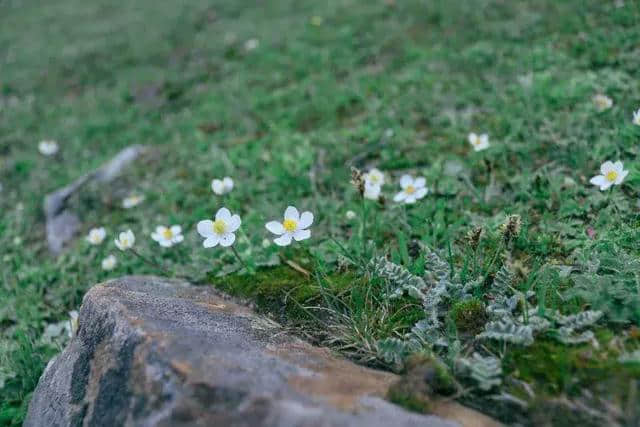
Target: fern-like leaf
pixel 486 371
pixel 507 330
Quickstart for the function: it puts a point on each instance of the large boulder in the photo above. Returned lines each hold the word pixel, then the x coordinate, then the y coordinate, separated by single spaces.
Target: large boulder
pixel 159 352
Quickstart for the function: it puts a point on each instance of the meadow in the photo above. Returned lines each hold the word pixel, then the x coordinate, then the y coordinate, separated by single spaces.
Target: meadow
pixel 513 278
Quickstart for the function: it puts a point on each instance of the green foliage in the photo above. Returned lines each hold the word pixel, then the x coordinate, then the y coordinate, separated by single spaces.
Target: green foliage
pixel 287 119
pixel 486 371
pixel 469 315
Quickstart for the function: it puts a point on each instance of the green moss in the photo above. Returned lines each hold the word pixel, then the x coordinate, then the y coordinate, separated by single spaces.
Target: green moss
pixel 469 316
pixel 282 291
pixel 555 369
pixel 425 379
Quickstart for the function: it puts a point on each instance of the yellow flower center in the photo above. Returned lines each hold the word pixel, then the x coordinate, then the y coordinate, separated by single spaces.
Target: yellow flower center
pixel 611 176
pixel 290 225
pixel 219 226
pixel 167 234
pixel 410 189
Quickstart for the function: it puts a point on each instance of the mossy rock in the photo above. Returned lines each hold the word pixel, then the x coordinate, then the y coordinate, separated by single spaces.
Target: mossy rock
pixel 425 379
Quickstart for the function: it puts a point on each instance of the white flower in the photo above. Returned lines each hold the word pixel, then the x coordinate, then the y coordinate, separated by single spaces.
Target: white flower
pixel 478 142
pixel 73 323
pixel 251 44
pixel 611 174
pixel 48 148
pixel 294 226
pixel 131 201
pixel 412 189
pixel 373 181
pixel 168 236
pixel 109 263
pixel 350 215
pixel 221 230
pixel 636 117
pixel 222 186
pixel 372 192
pixel 603 102
pixel 125 240
pixel 96 235
pixel 374 177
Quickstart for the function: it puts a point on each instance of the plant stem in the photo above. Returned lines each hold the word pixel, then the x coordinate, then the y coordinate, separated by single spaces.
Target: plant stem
pixel 235 252
pixel 363 227
pixel 150 262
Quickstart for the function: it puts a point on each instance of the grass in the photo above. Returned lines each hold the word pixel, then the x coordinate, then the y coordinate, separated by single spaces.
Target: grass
pixel 393 85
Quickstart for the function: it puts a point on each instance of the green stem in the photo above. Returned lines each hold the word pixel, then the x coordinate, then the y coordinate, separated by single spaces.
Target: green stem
pixel 235 252
pixel 363 227
pixel 151 262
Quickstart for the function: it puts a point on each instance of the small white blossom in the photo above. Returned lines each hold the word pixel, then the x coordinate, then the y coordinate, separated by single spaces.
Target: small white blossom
pixel 636 117
pixel 350 215
pixel 109 263
pixel 222 186
pixel 48 148
pixel 610 174
pixel 96 235
pixel 251 44
pixel 412 189
pixel 221 230
pixel 373 181
pixel 168 236
pixel 372 192
pixel 478 142
pixel 266 243
pixel 602 102
pixel 73 323
pixel 374 177
pixel 131 201
pixel 125 240
pixel 295 226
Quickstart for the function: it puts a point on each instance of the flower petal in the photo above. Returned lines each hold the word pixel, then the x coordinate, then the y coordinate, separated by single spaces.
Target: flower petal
pixel 306 219
pixel 227 239
pixel 301 235
pixel 157 237
pixel 606 167
pixel 211 241
pixel 405 181
pixel 275 227
pixel 371 191
pixel 420 193
pixel 176 229
pixel 400 196
pixel 284 240
pixel 292 213
pixel 223 214
pixel 419 182
pixel 205 228
pixel 177 239
pixel 411 199
pixel 621 177
pixel 234 223
pixel 618 166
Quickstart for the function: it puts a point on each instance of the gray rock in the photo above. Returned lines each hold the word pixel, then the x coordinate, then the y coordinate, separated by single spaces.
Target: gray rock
pixel 62 224
pixel 159 352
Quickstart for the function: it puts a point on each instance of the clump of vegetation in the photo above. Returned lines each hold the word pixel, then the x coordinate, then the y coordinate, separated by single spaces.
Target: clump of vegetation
pixel 469 316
